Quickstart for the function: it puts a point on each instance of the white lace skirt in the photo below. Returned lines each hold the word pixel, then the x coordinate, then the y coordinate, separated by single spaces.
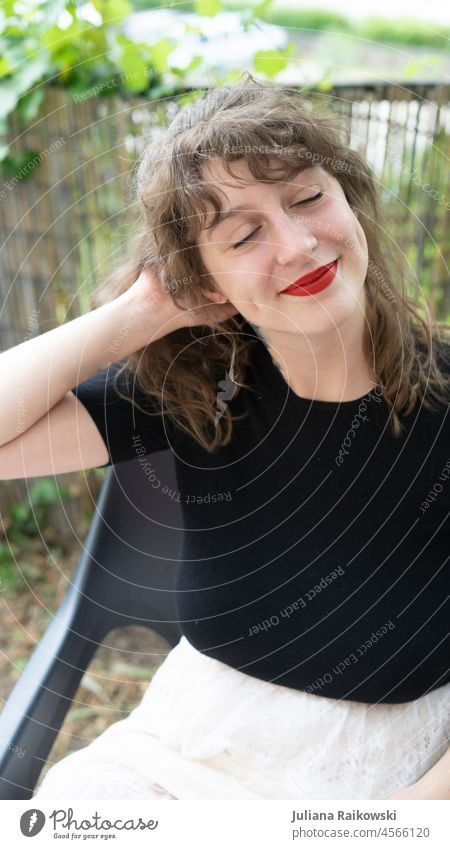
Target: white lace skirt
pixel 206 731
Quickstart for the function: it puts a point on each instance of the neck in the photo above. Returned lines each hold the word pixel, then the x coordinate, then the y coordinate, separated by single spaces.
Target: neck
pixel 329 367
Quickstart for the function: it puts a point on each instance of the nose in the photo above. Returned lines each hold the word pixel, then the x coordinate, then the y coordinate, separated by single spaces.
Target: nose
pixel 293 238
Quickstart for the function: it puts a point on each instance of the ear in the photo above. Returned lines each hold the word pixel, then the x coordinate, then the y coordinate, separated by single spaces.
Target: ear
pixel 216 297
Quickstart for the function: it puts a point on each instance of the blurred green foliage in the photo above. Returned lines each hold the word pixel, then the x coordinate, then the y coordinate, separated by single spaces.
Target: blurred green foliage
pixel 83 48
pixel 14 577
pixel 396 31
pixel 26 520
pixel 417 33
pixel 307 19
pixel 30 517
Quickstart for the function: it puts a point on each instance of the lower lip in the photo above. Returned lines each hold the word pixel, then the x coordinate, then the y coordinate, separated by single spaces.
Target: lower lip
pixel 316 286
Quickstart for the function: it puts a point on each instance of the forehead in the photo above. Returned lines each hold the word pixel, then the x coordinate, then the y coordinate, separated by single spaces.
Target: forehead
pixel 214 171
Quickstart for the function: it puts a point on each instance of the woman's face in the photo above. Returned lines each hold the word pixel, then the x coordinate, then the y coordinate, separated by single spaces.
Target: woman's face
pixel 288 229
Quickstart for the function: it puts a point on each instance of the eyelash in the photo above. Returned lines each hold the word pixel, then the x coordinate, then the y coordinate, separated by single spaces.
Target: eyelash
pixel 308 200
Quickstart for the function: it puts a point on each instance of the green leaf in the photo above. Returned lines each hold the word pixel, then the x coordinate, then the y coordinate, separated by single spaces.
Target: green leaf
pixel 20 512
pixel 326 81
pixel 135 70
pixel 46 492
pixel 226 77
pixel 112 11
pixel 421 65
pixel 195 62
pixel 6 556
pixel 261 8
pixel 3 21
pixel 8 7
pixel 160 50
pixel 123 40
pixel 207 8
pixel 20 165
pixel 190 97
pixel 54 38
pixel 9 95
pixel 17 535
pixel 10 578
pixel 29 105
pixel 5 66
pixel 31 70
pixel 270 62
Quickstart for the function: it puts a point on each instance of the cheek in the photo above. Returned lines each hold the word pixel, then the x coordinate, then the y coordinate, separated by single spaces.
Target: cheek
pixel 352 233
pixel 360 245
pixel 337 222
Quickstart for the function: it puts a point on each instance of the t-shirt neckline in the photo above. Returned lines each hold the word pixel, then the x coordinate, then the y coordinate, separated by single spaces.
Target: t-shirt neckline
pixel 279 383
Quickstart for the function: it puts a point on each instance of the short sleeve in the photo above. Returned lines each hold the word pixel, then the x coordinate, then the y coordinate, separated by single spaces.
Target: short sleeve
pixel 128 432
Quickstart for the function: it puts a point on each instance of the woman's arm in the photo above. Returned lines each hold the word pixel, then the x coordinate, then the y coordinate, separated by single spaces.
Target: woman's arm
pixel 36 374
pixel 435 784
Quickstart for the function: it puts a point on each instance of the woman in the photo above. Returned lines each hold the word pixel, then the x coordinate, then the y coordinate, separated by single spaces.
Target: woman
pixel 265 335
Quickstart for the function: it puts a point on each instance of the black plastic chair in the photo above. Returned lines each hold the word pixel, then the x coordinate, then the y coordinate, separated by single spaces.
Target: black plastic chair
pixel 125 576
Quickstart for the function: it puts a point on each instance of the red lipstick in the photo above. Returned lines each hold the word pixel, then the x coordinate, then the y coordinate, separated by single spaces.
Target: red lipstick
pixel 313 282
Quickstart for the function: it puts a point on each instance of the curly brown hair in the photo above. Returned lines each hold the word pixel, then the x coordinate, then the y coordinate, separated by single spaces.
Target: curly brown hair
pixel 260 120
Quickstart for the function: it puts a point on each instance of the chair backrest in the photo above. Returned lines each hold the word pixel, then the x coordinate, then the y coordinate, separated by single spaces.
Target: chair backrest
pixel 126 575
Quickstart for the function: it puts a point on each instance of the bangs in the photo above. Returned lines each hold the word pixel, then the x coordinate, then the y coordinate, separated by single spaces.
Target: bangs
pixel 201 202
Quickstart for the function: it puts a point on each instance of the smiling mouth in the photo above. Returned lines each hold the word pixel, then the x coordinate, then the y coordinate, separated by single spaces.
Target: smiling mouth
pixel 312 276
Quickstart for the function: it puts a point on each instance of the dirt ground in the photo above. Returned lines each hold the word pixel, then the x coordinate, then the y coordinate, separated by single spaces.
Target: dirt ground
pixel 118 674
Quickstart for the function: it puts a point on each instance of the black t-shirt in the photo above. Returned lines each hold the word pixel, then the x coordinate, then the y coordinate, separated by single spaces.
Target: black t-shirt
pixel 316 544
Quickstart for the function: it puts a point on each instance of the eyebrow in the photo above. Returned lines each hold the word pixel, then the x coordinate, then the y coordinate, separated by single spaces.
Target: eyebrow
pixel 223 215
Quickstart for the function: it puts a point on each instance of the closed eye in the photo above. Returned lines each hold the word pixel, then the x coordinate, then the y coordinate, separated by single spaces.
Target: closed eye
pixel 243 241
pixel 307 200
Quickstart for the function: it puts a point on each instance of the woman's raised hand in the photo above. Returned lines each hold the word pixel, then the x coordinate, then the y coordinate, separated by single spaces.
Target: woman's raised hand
pixel 149 287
